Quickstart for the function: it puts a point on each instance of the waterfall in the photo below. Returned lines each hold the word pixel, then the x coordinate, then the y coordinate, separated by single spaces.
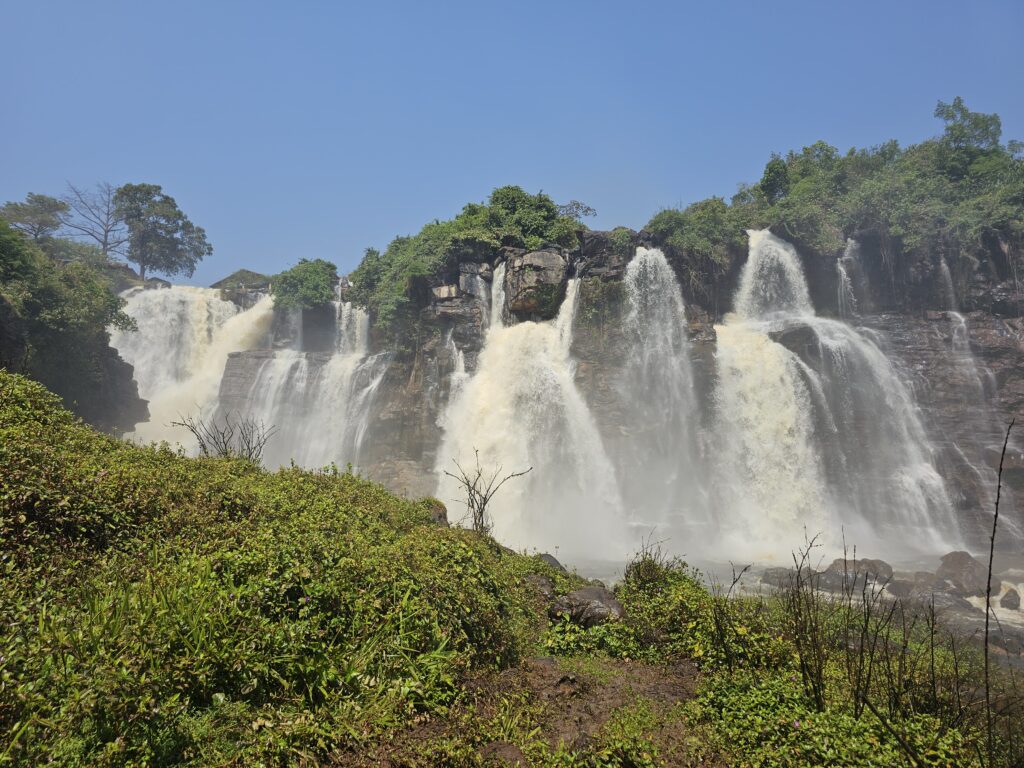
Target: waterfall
pixel 948 289
pixel 319 403
pixel 459 377
pixel 810 403
pixel 521 409
pixel 659 473
pixel 851 281
pixel 179 351
pixel 175 329
pixel 771 477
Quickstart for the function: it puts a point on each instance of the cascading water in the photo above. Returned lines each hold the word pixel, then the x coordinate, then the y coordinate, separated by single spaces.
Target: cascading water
pixel 318 403
pixel 851 281
pixel 179 352
pixel 659 470
pixel 817 430
pixel 521 409
pixel 175 329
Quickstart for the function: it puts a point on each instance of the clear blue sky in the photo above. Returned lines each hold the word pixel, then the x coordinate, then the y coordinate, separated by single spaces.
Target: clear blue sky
pixel 315 129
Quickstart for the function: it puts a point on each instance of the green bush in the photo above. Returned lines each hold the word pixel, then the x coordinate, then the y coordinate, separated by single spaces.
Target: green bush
pixel 306 285
pixel 158 609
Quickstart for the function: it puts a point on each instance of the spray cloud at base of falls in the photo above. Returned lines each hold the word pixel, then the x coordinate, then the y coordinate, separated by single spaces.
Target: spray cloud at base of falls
pixel 829 414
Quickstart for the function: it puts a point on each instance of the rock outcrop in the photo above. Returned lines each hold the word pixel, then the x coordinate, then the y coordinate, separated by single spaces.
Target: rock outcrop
pixel 535 283
pixel 588 607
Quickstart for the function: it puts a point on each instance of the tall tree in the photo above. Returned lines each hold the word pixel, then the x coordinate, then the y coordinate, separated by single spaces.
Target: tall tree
pixel 93 214
pixel 38 217
pixel 160 237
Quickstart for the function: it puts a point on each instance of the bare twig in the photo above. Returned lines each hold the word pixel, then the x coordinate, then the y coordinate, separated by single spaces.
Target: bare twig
pixel 480 489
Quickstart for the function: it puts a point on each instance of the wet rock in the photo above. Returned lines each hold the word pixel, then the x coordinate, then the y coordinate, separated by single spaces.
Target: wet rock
pixel 606 254
pixel 1011 600
pixel 966 575
pixel 849 574
pixel 542 584
pixel 778 577
pixel 502 753
pixel 535 283
pixel 552 561
pixel 901 588
pixel 588 607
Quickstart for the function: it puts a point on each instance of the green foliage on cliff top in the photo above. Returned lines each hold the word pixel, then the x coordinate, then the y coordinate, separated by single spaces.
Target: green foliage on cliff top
pixel 385 283
pixel 306 285
pixel 959 196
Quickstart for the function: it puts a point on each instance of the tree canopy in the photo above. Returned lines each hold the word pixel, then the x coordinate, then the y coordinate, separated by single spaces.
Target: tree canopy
pixel 160 236
pixel 308 284
pixel 39 216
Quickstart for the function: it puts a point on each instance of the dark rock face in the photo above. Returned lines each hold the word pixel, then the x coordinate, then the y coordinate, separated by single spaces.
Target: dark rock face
pixel 535 283
pixel 1011 600
pixel 588 607
pixel 967 575
pixel 13 345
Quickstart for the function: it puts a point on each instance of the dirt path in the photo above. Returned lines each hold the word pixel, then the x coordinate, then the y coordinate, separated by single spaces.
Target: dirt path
pixel 564 703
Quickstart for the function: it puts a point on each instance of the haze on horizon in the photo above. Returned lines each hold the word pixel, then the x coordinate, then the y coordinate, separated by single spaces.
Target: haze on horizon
pixel 320 132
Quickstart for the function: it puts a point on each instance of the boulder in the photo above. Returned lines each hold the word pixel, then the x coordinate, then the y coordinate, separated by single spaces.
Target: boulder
pixel 535 283
pixel 588 607
pixel 778 577
pixel 1011 600
pixel 543 585
pixel 966 574
pixel 552 561
pixel 852 572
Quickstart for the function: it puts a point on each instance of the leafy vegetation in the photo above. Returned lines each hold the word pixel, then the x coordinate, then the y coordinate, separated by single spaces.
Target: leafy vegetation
pixel 158 609
pixel 388 283
pixel 957 197
pixel 59 304
pixel 162 610
pixel 306 285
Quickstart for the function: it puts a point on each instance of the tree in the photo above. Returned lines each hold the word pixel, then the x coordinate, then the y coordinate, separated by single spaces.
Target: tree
pixel 576 210
pixel 306 285
pixel 93 214
pixel 966 129
pixel 775 182
pixel 38 217
pixel 160 236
